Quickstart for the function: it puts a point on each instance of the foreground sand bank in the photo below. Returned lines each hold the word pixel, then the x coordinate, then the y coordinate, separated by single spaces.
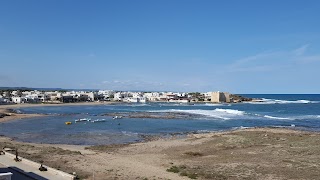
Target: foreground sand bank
pixel 260 153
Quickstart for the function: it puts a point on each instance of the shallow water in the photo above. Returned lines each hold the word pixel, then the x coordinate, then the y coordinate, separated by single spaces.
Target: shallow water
pixel 292 111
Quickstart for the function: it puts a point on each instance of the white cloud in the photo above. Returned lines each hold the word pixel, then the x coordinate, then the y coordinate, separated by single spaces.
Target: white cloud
pixel 272 60
pixel 309 59
pixel 257 57
pixel 301 50
pixel 259 62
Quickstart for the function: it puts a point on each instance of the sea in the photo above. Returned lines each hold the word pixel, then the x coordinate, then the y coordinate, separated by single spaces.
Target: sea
pixel 292 111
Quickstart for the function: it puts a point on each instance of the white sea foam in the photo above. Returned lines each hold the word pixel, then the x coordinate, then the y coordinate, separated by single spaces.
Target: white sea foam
pixel 303 117
pixel 224 114
pixel 242 127
pixel 280 118
pixel 291 126
pixel 129 133
pixel 211 104
pixel 173 104
pixel 308 117
pixel 230 111
pixel 137 105
pixel 277 101
pixel 203 131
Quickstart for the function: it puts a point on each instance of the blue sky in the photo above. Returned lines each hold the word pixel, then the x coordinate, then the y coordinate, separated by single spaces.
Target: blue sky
pixel 243 46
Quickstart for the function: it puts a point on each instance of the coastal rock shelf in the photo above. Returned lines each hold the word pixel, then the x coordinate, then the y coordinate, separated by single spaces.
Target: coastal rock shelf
pixel 153 115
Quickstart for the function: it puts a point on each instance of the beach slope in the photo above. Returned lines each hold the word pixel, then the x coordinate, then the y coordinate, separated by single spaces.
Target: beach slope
pixel 260 153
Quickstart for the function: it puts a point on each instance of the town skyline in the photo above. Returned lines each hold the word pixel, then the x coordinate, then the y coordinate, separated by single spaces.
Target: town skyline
pixel 255 47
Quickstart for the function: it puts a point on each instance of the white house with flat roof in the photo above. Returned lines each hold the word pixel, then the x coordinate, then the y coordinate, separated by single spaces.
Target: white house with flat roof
pixel 18 100
pixel 152 96
pixel 118 96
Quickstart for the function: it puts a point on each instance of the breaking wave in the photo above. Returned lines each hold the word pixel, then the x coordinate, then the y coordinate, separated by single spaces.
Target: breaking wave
pixel 303 117
pixel 211 104
pixel 242 127
pixel 277 101
pixel 280 118
pixel 227 114
pixel 224 114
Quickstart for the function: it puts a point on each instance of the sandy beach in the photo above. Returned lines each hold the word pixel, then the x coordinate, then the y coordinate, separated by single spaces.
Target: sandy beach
pixel 258 153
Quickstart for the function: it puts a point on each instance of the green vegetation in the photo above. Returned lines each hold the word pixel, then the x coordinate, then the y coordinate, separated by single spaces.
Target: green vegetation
pixel 173 169
pixel 184 171
pixel 197 96
pixel 190 153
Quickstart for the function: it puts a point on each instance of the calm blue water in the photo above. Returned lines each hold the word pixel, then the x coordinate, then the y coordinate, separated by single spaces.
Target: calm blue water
pixel 291 111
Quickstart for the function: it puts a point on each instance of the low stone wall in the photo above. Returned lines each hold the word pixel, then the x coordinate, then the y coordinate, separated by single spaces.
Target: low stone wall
pixel 37 165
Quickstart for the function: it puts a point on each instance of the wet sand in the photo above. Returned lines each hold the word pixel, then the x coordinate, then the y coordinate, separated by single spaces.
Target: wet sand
pixel 7 115
pixel 259 153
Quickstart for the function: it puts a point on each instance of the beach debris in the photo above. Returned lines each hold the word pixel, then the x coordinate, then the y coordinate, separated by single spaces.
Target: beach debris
pixel 75 175
pixel 42 168
pixel 98 120
pixel 82 120
pixel 117 117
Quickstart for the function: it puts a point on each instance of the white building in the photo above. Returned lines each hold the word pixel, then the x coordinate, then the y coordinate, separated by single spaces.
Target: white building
pixel 118 96
pixel 179 100
pixel 207 95
pixel 90 95
pixel 18 100
pixel 32 98
pixel 25 93
pixel 142 100
pixel 54 96
pixel 152 96
pixel 135 99
pixel 106 93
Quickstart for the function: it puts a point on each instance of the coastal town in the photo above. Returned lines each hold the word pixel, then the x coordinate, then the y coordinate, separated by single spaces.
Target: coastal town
pixel 159 90
pixel 63 96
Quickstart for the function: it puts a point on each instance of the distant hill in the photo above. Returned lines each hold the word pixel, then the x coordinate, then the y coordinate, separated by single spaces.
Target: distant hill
pixel 15 88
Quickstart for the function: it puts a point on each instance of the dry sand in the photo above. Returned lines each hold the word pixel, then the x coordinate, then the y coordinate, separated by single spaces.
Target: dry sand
pixel 259 153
